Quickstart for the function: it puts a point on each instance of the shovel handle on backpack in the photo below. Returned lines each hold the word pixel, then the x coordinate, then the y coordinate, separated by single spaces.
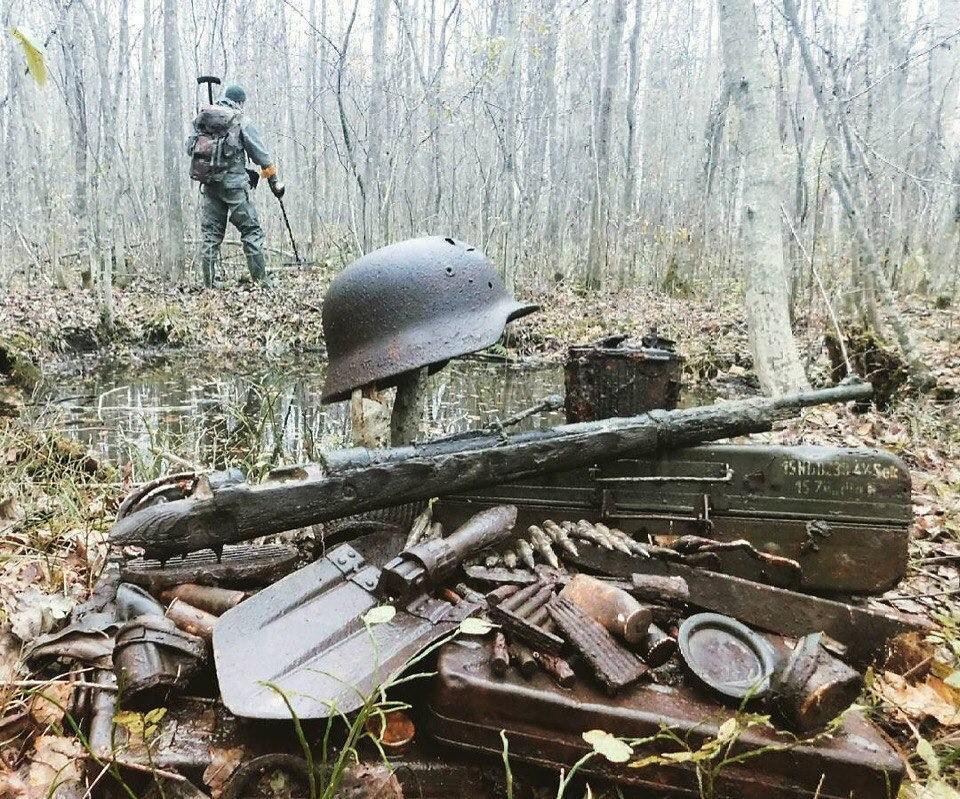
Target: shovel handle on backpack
pixel 209 80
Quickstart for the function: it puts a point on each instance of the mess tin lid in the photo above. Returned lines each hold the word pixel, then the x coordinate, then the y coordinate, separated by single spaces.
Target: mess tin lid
pixel 727 656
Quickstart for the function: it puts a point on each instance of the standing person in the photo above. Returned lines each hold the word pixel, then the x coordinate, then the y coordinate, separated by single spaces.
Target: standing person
pixel 223 139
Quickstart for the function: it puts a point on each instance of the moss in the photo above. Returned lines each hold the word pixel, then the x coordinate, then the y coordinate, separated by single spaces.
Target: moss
pixel 872 359
pixel 18 362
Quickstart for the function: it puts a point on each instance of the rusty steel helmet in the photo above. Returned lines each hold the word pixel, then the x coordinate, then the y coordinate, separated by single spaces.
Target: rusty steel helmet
pixel 411 304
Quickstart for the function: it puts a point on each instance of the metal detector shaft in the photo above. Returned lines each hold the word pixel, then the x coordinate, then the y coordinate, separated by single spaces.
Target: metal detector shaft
pixel 286 221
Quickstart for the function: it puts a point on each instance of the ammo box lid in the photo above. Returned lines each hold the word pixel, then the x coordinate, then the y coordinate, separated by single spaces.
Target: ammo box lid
pixel 776 482
pixel 809 482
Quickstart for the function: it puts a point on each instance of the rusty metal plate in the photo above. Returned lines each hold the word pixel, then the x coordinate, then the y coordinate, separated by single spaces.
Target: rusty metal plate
pixel 726 656
pixel 469 706
pixel 241 564
pixel 411 304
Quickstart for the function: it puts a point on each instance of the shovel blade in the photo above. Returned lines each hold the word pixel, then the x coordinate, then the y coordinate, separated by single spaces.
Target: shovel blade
pixel 301 647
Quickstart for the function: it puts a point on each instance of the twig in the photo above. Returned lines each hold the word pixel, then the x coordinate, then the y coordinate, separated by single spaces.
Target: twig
pixel 823 292
pixel 901 65
pixel 158 772
pixel 42 683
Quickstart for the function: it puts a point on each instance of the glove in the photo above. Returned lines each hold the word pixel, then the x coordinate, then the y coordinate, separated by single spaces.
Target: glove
pixel 276 186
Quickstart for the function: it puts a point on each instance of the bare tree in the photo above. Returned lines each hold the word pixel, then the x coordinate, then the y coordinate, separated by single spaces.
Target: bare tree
pixel 837 129
pixel 776 359
pixel 599 202
pixel 174 248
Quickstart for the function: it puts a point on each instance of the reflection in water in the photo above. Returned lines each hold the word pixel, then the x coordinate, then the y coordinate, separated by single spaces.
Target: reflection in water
pixel 188 412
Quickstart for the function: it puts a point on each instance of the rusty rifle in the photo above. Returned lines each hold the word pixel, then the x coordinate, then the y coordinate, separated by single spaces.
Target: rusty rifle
pixel 352 481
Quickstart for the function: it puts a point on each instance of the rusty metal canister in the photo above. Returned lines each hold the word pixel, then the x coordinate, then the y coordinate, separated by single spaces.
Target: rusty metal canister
pixel 611 606
pixel 150 654
pixel 615 377
pixel 814 687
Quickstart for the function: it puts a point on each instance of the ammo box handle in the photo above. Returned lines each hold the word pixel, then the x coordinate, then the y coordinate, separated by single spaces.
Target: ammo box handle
pixel 727 478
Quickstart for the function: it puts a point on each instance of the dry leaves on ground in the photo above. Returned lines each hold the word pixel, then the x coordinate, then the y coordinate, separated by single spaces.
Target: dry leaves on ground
pixel 32 612
pixel 49 704
pixel 920 701
pixel 223 762
pixel 56 767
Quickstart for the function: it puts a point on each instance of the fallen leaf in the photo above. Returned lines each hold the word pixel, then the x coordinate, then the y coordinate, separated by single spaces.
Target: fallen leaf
pixel 475 626
pixel 56 764
pixel 49 704
pixel 223 762
pixel 611 747
pixel 909 654
pixel 931 698
pixel 932 790
pixel 36 613
pixel 926 753
pixel 381 614
pixel 10 513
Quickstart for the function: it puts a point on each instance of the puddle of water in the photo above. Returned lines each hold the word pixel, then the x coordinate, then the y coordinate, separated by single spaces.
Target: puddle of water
pixel 207 413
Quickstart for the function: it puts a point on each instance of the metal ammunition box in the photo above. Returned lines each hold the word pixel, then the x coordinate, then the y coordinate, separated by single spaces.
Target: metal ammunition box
pixel 843 514
pixel 544 724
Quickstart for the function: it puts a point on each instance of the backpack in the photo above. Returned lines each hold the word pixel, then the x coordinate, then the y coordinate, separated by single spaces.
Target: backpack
pixel 215 143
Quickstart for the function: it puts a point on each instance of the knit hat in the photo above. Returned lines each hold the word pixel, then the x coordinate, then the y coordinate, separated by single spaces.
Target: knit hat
pixel 236 94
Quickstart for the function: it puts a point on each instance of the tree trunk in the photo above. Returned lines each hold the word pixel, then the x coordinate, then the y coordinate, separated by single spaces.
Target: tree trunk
pixel 853 206
pixel 77 127
pixel 375 116
pixel 945 248
pixel 314 109
pixel 148 122
pixel 174 252
pixel 633 89
pixel 597 244
pixel 776 358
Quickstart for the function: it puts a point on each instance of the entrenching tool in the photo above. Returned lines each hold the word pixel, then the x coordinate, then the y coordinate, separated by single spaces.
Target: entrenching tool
pixel 305 641
pixel 210 80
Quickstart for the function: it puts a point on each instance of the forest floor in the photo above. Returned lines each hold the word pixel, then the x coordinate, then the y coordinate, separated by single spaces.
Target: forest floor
pixel 56 502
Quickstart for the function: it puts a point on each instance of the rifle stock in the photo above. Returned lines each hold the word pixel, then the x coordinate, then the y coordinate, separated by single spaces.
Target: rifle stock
pixel 358 480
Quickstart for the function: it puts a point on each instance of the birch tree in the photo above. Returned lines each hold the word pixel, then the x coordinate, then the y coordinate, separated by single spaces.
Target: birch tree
pixel 775 354
pixel 599 202
pixel 174 249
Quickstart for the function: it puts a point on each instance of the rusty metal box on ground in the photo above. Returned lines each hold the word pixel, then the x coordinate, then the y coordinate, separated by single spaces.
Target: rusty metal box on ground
pixel 544 724
pixel 618 378
pixel 843 514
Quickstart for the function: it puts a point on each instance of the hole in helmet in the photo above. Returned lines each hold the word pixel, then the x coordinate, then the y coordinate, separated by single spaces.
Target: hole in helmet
pixel 449 240
pixel 449 270
pixel 471 249
pixel 490 284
